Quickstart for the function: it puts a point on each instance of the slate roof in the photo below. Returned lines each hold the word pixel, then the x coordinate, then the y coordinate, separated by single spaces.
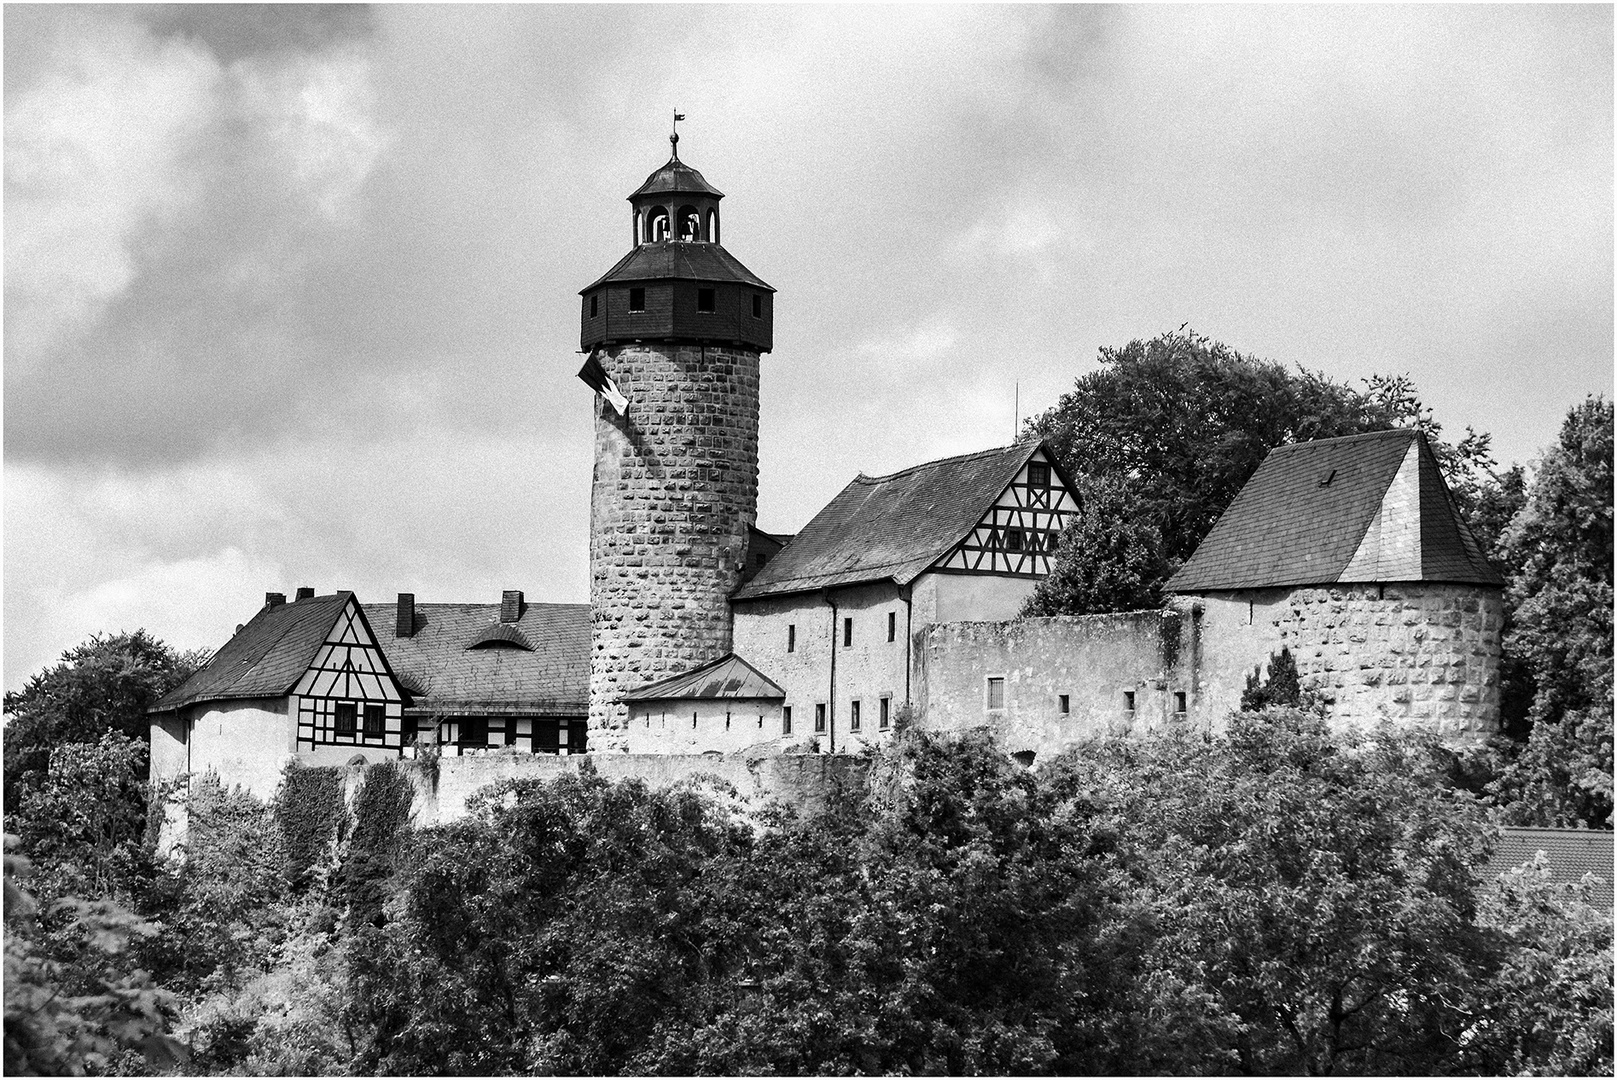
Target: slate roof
pixel 1571 853
pixel 891 527
pixel 679 177
pixel 265 658
pixel 727 677
pixel 551 680
pixel 1286 528
pixel 683 259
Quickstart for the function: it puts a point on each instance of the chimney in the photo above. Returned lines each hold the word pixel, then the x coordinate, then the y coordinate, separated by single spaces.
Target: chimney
pixel 404 626
pixel 305 592
pixel 274 599
pixel 511 605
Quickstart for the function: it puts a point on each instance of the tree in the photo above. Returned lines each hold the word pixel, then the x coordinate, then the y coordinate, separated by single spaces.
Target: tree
pixel 1558 634
pixel 1176 425
pixel 104 684
pixel 1112 558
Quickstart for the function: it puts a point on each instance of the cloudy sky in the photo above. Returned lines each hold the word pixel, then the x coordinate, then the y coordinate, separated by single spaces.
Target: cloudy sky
pixel 291 295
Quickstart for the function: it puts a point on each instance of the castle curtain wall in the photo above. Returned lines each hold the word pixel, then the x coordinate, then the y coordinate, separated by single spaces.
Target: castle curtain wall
pixel 245 742
pixel 1421 656
pixel 699 726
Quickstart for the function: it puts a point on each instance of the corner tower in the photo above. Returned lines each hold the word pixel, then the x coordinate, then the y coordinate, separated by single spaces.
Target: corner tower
pixel 677 327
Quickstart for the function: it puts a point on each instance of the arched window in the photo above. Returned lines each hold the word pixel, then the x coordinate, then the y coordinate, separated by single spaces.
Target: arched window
pixel 656 225
pixel 690 224
pixel 713 226
pixel 639 227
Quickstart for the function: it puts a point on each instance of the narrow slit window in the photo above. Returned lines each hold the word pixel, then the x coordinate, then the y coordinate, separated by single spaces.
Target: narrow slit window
pixel 819 718
pixel 1066 704
pixel 594 301
pixel 853 715
pixel 996 692
pixel 1178 701
pixel 847 632
pixel 637 299
pixel 1128 700
pixel 704 299
pixel 757 306
pixel 786 720
pixel 885 713
pixel 791 637
pixel 892 626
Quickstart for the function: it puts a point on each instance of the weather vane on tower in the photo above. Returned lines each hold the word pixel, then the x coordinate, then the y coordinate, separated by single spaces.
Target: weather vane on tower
pixel 673 139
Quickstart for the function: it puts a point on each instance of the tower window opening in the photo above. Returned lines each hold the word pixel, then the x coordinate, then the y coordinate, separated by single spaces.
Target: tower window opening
pixel 757 305
pixel 594 300
pixel 690 224
pixel 704 299
pixel 657 226
pixel 637 299
pixel 712 227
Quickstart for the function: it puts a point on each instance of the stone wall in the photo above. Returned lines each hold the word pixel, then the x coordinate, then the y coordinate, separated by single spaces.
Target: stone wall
pixel 246 742
pixel 1422 656
pixel 802 781
pixel 674 493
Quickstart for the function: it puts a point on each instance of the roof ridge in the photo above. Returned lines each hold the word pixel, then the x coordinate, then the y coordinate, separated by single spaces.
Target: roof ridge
pixel 1378 433
pixel 1029 445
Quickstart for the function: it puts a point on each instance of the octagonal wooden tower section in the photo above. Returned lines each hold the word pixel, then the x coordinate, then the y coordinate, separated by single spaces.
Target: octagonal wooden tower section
pixel 679 326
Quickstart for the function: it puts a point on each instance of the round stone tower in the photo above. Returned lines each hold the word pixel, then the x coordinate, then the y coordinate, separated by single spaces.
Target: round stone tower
pixel 674 332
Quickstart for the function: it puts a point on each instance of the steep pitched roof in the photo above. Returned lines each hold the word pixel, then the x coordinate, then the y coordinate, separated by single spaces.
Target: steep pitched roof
pixel 453 677
pixel 681 259
pixel 891 527
pixel 1571 853
pixel 265 658
pixel 727 677
pixel 1361 508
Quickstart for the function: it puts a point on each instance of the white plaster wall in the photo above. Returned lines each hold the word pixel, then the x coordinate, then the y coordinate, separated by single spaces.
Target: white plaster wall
pixel 246 742
pixel 699 727
pixel 976 597
pixel 168 752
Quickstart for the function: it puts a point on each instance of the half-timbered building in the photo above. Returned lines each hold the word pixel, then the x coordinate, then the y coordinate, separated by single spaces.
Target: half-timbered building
pixel 830 618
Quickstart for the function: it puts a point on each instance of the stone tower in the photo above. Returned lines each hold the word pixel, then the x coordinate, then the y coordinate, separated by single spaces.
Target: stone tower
pixel 677 328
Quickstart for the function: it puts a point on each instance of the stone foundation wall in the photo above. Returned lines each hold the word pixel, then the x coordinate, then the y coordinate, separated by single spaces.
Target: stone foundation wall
pixel 675 491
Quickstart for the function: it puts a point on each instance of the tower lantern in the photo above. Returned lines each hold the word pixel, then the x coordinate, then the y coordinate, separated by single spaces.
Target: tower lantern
pixel 677 327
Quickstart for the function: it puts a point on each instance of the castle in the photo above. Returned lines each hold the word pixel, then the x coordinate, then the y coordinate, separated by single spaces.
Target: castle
pixel 706 638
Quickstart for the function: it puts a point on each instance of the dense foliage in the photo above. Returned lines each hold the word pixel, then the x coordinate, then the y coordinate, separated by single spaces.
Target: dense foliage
pixel 1164 434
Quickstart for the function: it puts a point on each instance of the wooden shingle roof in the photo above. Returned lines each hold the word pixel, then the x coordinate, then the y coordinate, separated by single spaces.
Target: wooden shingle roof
pixel 1571 853
pixel 449 658
pixel 727 677
pixel 891 527
pixel 265 658
pixel 1362 508
pixel 680 259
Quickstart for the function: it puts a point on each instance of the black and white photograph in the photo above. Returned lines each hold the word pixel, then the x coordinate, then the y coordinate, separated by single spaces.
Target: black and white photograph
pixel 808 539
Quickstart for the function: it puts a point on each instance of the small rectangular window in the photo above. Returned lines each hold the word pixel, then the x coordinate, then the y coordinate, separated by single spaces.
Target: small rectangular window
pixel 885 718
pixel 637 299
pixel 853 715
pixel 1128 700
pixel 704 299
pixel 347 716
pixel 786 720
pixel 819 718
pixel 996 692
pixel 593 301
pixel 847 632
pixel 375 721
pixel 1178 701
pixel 757 306
pixel 1038 474
pixel 892 626
pixel 1066 704
pixel 1013 539
pixel 791 637
pixel 1052 541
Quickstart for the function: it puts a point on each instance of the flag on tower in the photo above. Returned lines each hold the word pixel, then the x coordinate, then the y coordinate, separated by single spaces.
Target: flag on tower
pixel 596 378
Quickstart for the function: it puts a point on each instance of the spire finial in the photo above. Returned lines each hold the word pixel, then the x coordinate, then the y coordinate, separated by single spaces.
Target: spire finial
pixel 673 140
